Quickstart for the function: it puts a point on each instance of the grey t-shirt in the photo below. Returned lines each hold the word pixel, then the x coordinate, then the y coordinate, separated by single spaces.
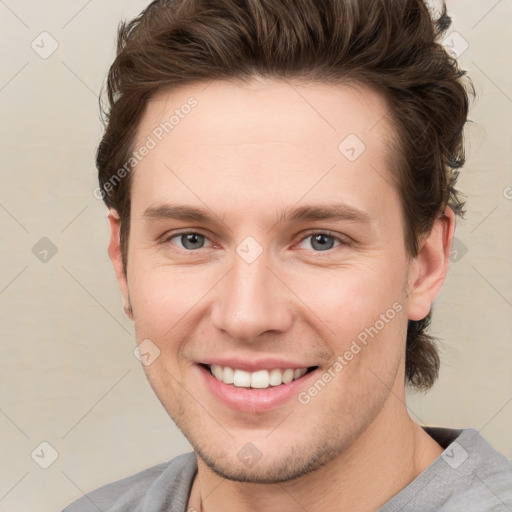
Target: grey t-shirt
pixel 469 476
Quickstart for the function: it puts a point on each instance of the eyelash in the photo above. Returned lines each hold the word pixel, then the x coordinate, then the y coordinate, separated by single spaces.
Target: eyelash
pixel 343 241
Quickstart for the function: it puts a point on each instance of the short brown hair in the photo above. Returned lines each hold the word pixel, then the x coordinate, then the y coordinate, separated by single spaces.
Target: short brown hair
pixel 390 46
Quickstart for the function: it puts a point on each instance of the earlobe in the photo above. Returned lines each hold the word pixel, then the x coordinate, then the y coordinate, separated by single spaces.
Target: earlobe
pixel 428 269
pixel 115 254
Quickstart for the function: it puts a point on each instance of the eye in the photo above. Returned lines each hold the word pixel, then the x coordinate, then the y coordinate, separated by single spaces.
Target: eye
pixel 193 241
pixel 189 241
pixel 321 241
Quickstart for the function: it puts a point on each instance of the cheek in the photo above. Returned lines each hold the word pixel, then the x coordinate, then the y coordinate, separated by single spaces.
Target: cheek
pixel 164 298
pixel 361 316
pixel 164 304
pixel 351 299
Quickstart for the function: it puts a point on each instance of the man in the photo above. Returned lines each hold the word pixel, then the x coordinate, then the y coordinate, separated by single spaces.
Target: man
pixel 280 177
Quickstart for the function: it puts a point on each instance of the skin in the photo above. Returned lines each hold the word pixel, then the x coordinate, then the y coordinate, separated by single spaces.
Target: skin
pixel 247 153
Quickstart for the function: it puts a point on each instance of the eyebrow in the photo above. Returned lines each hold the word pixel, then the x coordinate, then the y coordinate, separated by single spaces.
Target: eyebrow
pixel 333 212
pixel 337 211
pixel 178 212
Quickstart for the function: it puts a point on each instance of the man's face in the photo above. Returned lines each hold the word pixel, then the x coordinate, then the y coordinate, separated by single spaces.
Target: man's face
pixel 256 288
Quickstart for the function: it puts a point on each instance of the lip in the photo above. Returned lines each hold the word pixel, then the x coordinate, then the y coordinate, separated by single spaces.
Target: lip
pixel 254 366
pixel 254 400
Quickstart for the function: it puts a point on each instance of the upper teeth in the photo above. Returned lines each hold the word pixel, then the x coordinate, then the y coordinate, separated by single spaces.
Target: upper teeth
pixel 259 379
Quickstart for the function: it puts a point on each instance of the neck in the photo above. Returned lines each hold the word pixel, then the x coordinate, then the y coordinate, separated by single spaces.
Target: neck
pixel 383 460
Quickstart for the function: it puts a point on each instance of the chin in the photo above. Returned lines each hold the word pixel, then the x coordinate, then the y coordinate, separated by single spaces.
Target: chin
pixel 262 470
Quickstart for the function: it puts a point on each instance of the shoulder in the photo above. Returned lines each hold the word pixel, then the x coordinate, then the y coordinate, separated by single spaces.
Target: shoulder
pixel 469 475
pixel 490 473
pixel 165 486
pixel 478 477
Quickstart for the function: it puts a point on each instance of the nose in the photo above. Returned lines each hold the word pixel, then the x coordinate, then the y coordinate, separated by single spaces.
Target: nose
pixel 251 301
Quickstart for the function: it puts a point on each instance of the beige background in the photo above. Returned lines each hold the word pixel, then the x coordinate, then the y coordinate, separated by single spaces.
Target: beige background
pixel 68 375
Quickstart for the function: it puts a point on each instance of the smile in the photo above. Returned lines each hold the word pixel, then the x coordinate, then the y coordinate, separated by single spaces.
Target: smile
pixel 260 379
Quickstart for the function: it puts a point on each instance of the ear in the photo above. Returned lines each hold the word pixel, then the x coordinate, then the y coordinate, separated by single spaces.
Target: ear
pixel 428 269
pixel 114 252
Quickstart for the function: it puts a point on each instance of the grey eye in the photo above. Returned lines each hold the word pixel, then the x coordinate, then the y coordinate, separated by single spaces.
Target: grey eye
pixel 191 241
pixel 320 242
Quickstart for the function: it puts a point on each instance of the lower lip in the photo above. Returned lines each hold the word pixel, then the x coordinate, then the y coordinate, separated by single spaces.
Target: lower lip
pixel 254 400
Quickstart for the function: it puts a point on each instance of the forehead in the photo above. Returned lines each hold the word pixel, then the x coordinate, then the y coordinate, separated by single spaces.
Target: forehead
pixel 280 136
pixel 266 110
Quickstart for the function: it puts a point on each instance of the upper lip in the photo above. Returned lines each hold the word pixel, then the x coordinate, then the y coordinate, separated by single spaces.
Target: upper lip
pixel 255 365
